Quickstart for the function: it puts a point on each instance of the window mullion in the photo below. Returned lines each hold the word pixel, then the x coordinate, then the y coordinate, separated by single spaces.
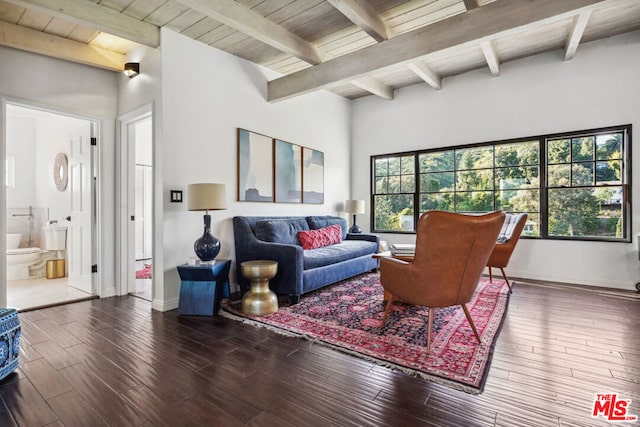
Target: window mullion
pixel 544 188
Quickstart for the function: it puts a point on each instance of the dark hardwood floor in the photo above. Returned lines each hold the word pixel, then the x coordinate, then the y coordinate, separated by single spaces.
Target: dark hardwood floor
pixel 116 362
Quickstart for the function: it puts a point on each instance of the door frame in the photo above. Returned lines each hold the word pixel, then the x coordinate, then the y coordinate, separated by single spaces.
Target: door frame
pixel 96 197
pixel 125 171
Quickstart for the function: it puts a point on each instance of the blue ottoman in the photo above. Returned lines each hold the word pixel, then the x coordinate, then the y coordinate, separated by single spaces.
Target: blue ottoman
pixel 9 341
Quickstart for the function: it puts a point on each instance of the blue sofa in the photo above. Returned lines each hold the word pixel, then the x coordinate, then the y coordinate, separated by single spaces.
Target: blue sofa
pixel 301 271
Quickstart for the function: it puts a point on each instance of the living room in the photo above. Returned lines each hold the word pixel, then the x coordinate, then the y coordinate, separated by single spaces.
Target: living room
pixel 200 96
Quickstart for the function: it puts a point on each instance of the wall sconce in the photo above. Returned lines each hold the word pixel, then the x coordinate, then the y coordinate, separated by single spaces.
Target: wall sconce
pixel 131 69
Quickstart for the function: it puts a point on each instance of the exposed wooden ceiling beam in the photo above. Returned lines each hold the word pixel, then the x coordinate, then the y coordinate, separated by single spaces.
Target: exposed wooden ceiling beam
pixel 423 71
pixel 491 56
pixel 471 4
pixel 98 17
pixel 24 38
pixel 502 17
pixel 575 34
pixel 374 86
pixel 257 26
pixel 363 15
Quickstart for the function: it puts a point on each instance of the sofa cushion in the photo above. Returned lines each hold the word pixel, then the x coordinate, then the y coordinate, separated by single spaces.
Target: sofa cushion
pixel 343 251
pixel 326 236
pixel 283 231
pixel 316 222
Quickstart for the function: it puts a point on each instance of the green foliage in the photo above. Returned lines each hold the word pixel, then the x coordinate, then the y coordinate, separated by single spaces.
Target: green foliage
pixel 582 149
pixel 389 209
pixel 573 212
pixel 474 158
pixel 611 225
pixel 437 161
pixel 558 151
pixel 519 153
pixel 475 201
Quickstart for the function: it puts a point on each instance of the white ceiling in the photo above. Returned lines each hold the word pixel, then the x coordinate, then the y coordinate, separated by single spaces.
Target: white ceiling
pixel 353 48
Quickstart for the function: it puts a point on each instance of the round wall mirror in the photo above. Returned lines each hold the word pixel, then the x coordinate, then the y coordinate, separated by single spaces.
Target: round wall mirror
pixel 60 176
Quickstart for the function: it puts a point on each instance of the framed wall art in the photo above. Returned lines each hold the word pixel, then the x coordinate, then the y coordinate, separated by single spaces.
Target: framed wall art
pixel 255 167
pixel 288 172
pixel 312 176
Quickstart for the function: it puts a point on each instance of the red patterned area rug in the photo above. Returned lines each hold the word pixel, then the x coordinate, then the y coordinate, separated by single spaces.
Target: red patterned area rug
pixel 348 316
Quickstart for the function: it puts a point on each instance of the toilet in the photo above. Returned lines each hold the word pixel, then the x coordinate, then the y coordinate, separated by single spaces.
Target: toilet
pixel 19 260
pixel 29 263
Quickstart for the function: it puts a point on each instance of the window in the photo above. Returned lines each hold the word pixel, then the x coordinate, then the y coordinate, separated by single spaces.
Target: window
pixel 573 186
pixel 395 186
pixel 585 185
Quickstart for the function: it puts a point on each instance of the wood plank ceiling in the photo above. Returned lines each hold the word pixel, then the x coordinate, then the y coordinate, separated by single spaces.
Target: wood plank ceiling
pixel 353 48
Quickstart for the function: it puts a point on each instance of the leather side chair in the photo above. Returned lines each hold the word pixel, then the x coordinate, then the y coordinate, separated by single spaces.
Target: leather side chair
pixel 451 253
pixel 507 240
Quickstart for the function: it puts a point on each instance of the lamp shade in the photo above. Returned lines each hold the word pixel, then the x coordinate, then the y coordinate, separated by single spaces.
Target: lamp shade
pixel 205 196
pixel 354 206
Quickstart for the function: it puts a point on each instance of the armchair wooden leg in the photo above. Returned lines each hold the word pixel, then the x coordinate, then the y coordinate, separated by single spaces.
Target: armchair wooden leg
pixel 387 310
pixel 473 326
pixel 505 278
pixel 490 275
pixel 429 327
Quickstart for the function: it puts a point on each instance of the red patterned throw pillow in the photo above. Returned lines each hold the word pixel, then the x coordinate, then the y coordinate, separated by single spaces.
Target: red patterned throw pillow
pixel 326 236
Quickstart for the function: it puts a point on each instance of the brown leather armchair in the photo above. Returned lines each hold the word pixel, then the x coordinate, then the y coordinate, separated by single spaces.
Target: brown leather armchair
pixel 507 240
pixel 451 253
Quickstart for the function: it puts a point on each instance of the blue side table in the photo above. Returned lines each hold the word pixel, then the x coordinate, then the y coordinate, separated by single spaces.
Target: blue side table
pixel 203 285
pixel 10 332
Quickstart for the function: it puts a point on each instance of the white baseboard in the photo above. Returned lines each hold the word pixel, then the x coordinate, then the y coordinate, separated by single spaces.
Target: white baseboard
pixel 167 305
pixel 539 275
pixel 108 292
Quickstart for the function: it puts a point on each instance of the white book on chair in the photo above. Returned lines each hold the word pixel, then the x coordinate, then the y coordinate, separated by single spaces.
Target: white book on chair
pixel 403 248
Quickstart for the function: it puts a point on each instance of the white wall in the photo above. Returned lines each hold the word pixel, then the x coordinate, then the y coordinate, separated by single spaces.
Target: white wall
pixel 204 103
pixel 542 94
pixel 21 145
pixel 142 94
pixel 77 89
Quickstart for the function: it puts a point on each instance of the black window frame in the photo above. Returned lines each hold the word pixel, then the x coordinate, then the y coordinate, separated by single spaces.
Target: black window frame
pixel 543 184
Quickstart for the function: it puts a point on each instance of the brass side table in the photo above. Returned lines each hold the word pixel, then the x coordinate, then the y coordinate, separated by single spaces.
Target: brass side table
pixel 259 300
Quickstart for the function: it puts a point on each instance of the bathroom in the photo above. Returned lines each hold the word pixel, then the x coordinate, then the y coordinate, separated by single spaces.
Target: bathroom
pixel 39 193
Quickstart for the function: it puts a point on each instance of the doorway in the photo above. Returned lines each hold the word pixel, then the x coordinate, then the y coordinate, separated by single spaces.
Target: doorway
pixel 137 155
pixel 49 198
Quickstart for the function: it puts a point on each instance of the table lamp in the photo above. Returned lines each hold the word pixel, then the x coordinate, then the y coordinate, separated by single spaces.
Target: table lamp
pixel 355 207
pixel 206 197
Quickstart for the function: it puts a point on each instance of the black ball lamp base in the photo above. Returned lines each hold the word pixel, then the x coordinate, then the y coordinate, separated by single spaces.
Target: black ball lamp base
pixel 355 229
pixel 207 247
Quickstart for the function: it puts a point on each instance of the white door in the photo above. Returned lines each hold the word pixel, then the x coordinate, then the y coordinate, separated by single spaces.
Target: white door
pixel 82 210
pixel 143 211
pixel 137 139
